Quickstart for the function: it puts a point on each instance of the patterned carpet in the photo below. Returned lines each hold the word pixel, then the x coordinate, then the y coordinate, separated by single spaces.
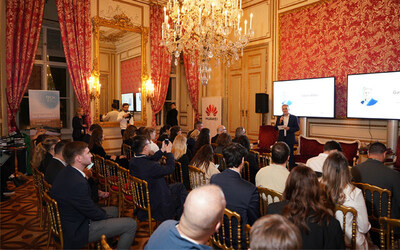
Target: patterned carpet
pixel 20 227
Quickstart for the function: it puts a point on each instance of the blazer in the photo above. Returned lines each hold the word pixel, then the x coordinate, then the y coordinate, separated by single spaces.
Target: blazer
pixel 45 162
pixel 77 123
pixel 52 170
pixel 149 169
pixel 72 193
pixel 293 125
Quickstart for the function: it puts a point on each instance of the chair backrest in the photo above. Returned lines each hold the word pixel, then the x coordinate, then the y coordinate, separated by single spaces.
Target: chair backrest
pixel 54 219
pixel 257 155
pixel 104 244
pixel 310 147
pixel 266 197
pixel 376 209
pixel 387 233
pixel 177 174
pixel 267 136
pixel 112 175
pixel 246 171
pixel 345 210
pixel 123 178
pixel 229 235
pixel 397 162
pixel 141 197
pixel 99 166
pixel 220 161
pixel 126 150
pixel 351 151
pixel 197 177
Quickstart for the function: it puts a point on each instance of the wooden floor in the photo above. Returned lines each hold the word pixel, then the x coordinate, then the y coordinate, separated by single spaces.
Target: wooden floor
pixel 19 222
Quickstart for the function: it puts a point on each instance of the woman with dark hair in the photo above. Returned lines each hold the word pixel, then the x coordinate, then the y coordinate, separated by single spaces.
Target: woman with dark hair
pixel 302 204
pixel 204 161
pixel 95 146
pixel 78 125
pixel 340 191
pixel 150 134
pixel 250 158
pixel 174 131
pixel 202 139
pixel 164 133
pixel 223 140
pixel 127 138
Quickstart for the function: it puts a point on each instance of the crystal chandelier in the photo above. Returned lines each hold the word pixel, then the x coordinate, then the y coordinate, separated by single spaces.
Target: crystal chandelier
pixel 207 28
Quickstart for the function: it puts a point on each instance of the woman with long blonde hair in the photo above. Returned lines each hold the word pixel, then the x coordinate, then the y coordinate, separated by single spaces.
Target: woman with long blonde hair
pixel 44 152
pixel 339 190
pixel 179 150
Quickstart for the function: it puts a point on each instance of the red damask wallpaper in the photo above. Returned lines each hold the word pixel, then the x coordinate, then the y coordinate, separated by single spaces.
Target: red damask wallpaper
pixel 131 75
pixel 336 38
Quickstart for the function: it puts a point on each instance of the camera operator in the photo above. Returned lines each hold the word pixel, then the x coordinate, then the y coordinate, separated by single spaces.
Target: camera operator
pixel 125 118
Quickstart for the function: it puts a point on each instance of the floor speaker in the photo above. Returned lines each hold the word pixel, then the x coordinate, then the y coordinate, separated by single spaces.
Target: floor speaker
pixel 262 103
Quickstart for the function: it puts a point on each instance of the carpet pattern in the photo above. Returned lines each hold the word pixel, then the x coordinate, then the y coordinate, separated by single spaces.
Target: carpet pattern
pixel 20 226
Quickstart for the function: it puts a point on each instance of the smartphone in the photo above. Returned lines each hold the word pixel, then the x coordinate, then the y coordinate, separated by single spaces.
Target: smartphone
pixel 166 141
pixel 90 165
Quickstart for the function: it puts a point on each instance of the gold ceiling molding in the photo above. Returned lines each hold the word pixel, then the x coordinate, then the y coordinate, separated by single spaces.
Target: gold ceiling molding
pixel 114 37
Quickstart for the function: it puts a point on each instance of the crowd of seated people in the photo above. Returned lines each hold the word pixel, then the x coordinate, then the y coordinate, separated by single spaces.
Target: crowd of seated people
pixel 204 160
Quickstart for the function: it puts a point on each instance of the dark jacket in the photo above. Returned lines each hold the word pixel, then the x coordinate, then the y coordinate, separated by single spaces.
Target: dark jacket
pixel 45 162
pixel 78 130
pixel 293 125
pixel 172 117
pixel 52 170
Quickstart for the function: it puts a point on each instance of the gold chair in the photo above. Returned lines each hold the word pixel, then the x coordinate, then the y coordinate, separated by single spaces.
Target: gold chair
pixel 177 175
pixel 386 233
pixel 229 235
pixel 345 210
pixel 369 192
pixel 127 151
pixel 246 171
pixel 126 191
pixel 257 155
pixel 113 183
pixel 220 161
pixel 55 231
pixel 100 171
pixel 247 233
pixel 39 183
pixel 197 177
pixel 104 244
pixel 141 198
pixel 267 196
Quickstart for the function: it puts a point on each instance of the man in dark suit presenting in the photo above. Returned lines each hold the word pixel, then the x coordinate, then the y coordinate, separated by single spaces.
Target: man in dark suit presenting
pixel 83 221
pixel 287 124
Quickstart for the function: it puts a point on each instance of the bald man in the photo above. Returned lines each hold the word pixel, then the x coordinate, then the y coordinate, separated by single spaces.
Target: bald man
pixel 202 215
pixel 220 129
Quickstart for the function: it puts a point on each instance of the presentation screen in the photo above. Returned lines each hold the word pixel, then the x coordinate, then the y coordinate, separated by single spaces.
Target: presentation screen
pixel 138 101
pixel 374 96
pixel 128 98
pixel 306 97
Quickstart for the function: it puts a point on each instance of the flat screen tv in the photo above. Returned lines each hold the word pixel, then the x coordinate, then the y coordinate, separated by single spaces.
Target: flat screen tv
pixel 306 97
pixel 374 96
pixel 128 98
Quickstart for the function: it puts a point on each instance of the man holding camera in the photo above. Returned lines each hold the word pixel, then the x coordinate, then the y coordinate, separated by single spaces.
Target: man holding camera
pixel 125 118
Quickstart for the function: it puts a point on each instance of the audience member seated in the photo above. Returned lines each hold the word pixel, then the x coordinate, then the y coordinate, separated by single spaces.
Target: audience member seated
pixel 241 196
pixel 96 147
pixel 239 132
pixel 166 201
pixel 38 137
pixel 86 137
pixel 250 158
pixel 202 216
pixel 127 138
pixel 204 161
pixel 81 219
pixel 175 130
pixel 274 176
pixel 302 204
pixel 140 131
pixel 191 141
pixel 222 141
pixel 164 133
pixel 44 152
pixel 150 134
pixel 197 126
pixel 220 129
pixel 203 139
pixel 317 162
pixel 274 232
pixel 57 163
pixel 179 150
pixel 374 172
pixel 337 180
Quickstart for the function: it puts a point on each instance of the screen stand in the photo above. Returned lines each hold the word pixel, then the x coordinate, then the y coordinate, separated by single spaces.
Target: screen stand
pixel 392 126
pixel 303 126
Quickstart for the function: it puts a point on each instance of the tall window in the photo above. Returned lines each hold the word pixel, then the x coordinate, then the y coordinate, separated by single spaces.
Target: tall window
pixel 50 72
pixel 161 117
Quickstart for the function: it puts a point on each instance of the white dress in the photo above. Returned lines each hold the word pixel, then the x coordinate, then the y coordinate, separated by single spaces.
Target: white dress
pixel 355 199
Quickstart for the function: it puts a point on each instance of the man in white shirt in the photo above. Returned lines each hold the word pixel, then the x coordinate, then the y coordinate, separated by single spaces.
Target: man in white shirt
pixel 274 176
pixel 316 163
pixel 125 118
pixel 112 116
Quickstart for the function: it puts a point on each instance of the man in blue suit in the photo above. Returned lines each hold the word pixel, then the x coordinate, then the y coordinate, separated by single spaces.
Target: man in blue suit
pixel 288 125
pixel 82 220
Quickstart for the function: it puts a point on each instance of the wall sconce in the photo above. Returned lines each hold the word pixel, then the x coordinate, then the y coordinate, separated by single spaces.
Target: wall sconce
pixel 148 89
pixel 94 86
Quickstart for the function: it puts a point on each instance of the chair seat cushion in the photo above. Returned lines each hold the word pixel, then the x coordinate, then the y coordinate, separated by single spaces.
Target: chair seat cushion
pixel 115 188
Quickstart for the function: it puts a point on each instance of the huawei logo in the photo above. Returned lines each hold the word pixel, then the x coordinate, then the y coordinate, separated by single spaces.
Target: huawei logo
pixel 211 109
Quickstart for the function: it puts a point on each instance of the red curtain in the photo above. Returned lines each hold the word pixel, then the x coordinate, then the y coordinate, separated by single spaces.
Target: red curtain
pixel 337 38
pixel 76 33
pixel 24 21
pixel 192 79
pixel 160 61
